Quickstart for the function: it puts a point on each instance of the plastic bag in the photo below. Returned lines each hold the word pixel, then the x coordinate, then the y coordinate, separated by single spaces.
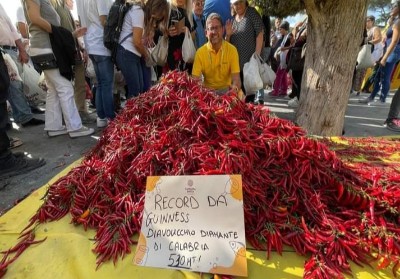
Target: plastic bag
pixel 35 94
pixel 160 52
pixel 251 75
pixel 188 48
pixel 364 58
pixel 267 74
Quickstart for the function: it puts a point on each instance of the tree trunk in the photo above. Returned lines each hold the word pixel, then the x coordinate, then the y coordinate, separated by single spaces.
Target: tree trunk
pixel 334 35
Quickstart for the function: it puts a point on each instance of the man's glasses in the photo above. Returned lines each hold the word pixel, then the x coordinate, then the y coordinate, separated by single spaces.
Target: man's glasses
pixel 214 28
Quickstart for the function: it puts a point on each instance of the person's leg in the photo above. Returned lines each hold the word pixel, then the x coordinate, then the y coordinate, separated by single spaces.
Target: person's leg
pixel 386 77
pixel 394 109
pixel 80 88
pixel 130 66
pixel 4 140
pixel 62 103
pixel 21 111
pixel 146 75
pixel 104 69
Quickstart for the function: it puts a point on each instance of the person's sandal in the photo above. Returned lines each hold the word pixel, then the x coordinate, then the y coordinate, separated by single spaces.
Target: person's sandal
pixel 15 142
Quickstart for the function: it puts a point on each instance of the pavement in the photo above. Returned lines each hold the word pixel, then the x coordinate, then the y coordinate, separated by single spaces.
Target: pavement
pixel 360 121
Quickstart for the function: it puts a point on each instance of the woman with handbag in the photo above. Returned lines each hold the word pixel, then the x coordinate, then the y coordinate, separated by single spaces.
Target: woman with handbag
pixel 390 57
pixel 180 20
pixel 48 40
pixel 281 80
pixel 132 49
pixel 246 32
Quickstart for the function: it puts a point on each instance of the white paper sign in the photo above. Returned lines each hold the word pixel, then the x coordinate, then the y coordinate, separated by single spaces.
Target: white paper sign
pixel 194 223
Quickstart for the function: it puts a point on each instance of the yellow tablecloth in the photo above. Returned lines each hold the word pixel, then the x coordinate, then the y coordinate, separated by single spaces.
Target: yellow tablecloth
pixel 67 253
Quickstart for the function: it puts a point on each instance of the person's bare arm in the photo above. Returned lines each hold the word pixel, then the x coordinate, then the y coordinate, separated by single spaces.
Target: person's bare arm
pixel 259 42
pixel 103 19
pixel 33 11
pixel 138 42
pixel 22 55
pixel 236 84
pixel 377 36
pixel 23 30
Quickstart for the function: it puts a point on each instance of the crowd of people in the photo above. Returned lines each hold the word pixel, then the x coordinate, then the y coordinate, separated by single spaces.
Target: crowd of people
pixel 75 63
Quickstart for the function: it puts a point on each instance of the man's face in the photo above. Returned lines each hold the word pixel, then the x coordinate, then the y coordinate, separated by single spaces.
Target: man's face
pixel 198 7
pixel 214 31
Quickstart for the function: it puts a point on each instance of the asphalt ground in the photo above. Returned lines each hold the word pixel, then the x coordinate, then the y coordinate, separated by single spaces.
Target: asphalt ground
pixel 360 121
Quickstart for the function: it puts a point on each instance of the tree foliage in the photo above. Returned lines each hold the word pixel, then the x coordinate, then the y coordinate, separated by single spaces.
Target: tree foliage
pixel 280 8
pixel 382 8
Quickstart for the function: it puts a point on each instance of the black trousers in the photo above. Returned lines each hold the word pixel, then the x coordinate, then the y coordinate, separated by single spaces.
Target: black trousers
pixel 4 140
pixel 4 79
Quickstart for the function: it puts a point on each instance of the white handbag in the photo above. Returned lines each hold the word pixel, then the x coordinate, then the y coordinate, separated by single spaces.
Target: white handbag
pixel 160 52
pixel 364 58
pixel 188 48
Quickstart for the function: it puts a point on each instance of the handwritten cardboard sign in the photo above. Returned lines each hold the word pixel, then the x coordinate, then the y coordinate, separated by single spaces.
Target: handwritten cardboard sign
pixel 194 223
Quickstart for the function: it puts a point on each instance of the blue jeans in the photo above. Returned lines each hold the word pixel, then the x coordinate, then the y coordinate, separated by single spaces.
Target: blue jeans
pixel 104 69
pixel 131 68
pixel 382 80
pixel 20 107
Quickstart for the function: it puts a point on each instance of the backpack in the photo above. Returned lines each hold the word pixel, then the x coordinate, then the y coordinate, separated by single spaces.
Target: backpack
pixel 113 26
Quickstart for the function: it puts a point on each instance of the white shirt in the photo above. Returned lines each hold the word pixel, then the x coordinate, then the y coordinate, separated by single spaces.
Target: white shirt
pixel 21 15
pixel 8 32
pixel 89 12
pixel 133 18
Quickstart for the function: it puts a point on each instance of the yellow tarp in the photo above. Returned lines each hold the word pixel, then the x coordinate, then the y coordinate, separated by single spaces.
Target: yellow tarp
pixel 67 253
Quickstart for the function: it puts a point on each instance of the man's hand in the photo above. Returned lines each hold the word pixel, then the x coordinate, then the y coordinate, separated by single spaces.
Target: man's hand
pixel 23 57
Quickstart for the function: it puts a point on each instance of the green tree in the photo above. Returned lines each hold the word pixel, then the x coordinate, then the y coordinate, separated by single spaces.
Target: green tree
pixel 334 34
pixel 382 8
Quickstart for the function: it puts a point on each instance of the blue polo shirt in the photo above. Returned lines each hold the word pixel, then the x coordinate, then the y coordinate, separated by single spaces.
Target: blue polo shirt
pixel 200 31
pixel 221 7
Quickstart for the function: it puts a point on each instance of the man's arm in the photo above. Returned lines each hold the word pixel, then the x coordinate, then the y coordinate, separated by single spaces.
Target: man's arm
pixel 236 83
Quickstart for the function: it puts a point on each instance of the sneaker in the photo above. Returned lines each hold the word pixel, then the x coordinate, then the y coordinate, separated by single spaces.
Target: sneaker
pixel 55 133
pixel 365 100
pixel 393 125
pixel 102 122
pixel 293 103
pixel 86 118
pixel 84 131
pixel 14 165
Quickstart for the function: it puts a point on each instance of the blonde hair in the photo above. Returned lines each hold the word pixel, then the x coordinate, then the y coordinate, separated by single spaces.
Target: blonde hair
pixel 188 8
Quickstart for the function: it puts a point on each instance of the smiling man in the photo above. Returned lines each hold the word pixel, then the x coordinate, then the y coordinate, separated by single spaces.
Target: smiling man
pixel 217 61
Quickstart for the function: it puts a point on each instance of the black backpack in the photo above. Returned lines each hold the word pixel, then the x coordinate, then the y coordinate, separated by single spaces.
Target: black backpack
pixel 113 26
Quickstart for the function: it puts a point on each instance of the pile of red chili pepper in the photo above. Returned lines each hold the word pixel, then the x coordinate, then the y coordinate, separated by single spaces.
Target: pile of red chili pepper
pixel 297 191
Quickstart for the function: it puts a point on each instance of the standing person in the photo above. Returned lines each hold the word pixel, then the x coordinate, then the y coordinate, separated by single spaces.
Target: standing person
pixel 131 49
pixel 246 32
pixel 11 43
pixel 221 7
pixel 300 35
pixel 93 16
pixel 281 80
pixel 11 164
pixel 199 21
pixel 47 37
pixel 390 57
pixel 276 41
pixel 63 9
pixel 217 61
pixel 375 38
pixel 180 10
pixel 137 31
